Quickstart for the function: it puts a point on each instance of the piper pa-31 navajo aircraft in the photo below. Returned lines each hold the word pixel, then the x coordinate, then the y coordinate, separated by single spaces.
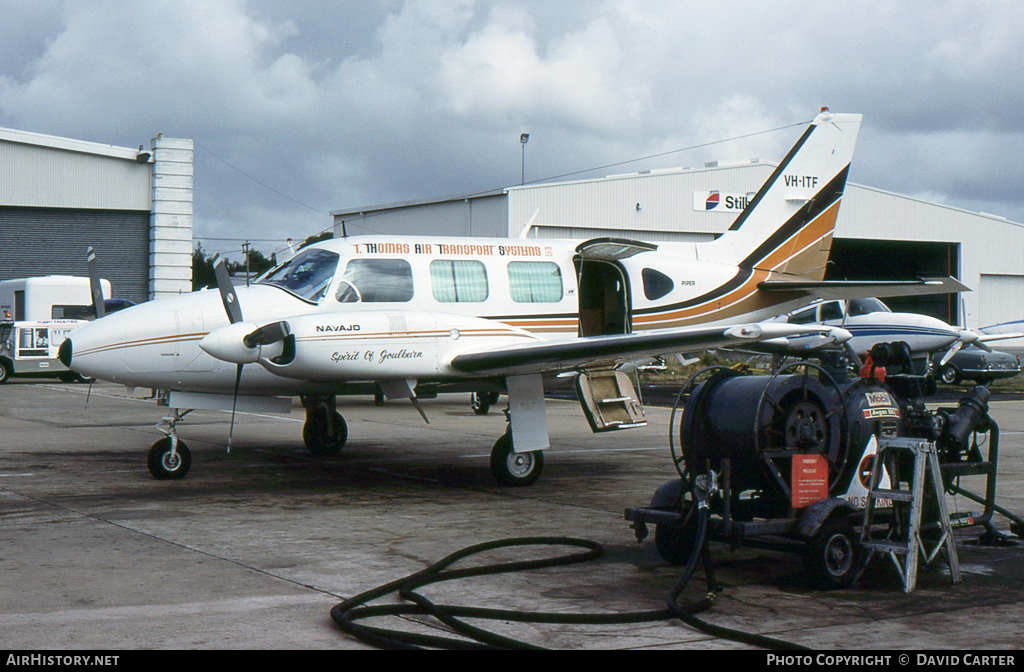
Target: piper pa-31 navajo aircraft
pixel 413 316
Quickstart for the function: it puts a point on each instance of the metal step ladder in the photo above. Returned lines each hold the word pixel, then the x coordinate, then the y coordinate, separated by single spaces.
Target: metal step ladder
pixel 903 542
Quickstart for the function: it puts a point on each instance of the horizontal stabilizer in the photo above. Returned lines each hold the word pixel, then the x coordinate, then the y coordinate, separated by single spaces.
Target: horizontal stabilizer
pixel 856 289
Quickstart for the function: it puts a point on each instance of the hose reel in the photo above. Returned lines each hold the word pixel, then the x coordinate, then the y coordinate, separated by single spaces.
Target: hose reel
pixel 759 423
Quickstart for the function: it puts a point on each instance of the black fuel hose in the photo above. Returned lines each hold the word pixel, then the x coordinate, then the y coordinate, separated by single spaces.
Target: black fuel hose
pixel 685 612
pixel 347 613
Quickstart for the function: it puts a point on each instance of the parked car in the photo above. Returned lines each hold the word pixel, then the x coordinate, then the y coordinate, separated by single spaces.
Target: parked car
pixel 972 363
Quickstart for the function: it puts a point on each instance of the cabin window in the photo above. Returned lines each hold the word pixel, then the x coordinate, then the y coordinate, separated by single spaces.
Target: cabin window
pixel 535 281
pixel 803 317
pixel 458 281
pixel 865 306
pixel 831 311
pixel 306 275
pixel 656 284
pixel 376 281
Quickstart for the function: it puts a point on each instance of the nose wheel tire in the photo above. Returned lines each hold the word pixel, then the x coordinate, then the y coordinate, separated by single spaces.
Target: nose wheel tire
pixel 164 465
pixel 515 469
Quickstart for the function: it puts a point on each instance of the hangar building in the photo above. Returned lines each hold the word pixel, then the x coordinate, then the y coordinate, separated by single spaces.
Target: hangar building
pixel 879 235
pixel 58 196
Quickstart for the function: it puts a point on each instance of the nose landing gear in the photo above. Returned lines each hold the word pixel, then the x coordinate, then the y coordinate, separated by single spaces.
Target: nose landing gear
pixel 169 458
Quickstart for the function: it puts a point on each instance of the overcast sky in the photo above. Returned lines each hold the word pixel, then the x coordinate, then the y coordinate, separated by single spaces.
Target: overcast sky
pixel 301 108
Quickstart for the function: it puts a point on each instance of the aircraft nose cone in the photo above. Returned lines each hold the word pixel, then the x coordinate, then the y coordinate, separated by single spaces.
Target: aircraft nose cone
pixel 64 353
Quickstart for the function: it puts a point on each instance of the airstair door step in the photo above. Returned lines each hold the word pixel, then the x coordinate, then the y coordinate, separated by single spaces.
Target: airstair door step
pixel 609 400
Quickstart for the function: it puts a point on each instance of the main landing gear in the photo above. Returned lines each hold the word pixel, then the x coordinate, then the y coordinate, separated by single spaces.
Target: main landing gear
pixel 514 469
pixel 325 431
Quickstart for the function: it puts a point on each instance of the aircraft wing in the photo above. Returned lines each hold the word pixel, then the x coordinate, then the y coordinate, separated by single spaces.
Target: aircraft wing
pixel 995 332
pixel 553 356
pixel 1002 336
pixel 858 289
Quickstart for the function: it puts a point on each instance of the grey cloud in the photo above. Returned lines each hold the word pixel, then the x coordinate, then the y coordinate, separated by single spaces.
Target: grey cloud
pixel 356 103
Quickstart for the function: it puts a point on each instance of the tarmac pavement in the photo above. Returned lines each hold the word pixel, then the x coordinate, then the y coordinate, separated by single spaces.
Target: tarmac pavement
pixel 254 547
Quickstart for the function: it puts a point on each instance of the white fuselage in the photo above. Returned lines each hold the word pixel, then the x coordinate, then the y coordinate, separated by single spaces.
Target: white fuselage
pixel 869 322
pixel 448 296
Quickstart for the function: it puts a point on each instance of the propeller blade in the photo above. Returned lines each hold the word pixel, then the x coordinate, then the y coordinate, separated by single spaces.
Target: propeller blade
pixel 953 349
pixel 967 337
pixel 234 403
pixel 227 290
pixel 267 334
pixel 851 354
pixel 95 289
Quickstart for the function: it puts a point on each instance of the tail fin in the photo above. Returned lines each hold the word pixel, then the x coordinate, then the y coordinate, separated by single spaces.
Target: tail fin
pixel 787 227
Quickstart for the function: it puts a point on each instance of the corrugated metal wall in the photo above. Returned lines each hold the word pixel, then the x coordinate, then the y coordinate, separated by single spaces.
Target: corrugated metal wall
pixel 53 241
pixel 625 205
pixel 35 176
pixel 1001 303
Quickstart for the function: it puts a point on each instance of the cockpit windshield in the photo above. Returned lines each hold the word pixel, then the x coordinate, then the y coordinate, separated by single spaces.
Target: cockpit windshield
pixel 306 275
pixel 865 306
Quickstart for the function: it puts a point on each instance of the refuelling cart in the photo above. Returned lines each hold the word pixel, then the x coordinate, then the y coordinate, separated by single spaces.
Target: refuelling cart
pixel 787 461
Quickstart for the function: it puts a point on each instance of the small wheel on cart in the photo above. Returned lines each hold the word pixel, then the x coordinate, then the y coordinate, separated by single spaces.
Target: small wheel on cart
pixel 676 541
pixel 834 555
pixel 163 465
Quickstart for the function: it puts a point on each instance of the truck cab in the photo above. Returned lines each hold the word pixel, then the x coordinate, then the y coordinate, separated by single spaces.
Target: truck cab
pixel 29 348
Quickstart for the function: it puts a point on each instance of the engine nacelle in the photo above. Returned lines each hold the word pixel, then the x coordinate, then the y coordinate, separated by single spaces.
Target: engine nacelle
pixel 385 345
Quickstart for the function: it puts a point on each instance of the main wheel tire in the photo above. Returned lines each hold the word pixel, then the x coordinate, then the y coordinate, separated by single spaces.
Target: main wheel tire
pixel 834 555
pixel 480 403
pixel 166 467
pixel 950 375
pixel 317 438
pixel 514 469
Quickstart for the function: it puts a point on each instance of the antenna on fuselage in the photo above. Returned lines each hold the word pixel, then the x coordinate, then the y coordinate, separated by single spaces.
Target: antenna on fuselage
pixel 529 225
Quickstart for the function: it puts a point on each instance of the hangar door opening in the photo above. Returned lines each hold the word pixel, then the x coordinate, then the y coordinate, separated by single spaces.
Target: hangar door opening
pixel 53 241
pixel 900 260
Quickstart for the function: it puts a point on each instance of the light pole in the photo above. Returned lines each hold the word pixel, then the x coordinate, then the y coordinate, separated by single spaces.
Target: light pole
pixel 523 139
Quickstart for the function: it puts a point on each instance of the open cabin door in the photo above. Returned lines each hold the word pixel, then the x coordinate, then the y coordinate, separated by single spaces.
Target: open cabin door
pixel 608 398
pixel 604 301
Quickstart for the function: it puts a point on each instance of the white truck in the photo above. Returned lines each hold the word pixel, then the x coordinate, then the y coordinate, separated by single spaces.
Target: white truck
pixel 29 348
pixel 51 297
pixel 36 315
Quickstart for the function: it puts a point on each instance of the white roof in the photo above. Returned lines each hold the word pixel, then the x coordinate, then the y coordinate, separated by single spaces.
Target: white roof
pixel 68 144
